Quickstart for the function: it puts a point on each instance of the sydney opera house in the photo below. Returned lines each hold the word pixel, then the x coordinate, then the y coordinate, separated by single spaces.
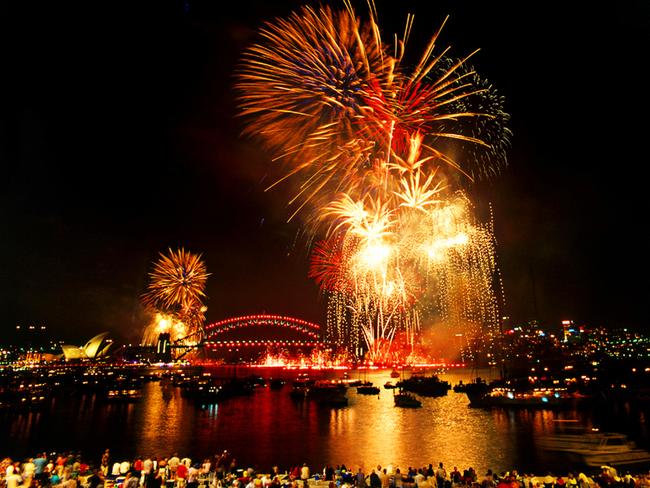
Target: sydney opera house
pixel 95 348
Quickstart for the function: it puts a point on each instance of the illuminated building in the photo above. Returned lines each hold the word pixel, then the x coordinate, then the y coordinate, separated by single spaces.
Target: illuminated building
pixel 567 330
pixel 95 348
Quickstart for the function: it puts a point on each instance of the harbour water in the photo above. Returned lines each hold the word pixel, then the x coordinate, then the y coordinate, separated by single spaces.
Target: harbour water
pixel 270 428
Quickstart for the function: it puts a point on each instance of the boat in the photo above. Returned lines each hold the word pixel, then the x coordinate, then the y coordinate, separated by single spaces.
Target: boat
pixel 205 390
pixel 543 397
pixel 430 386
pixel 462 387
pixel 407 400
pixel 25 397
pixel 459 387
pixel 300 386
pixel 209 394
pixel 238 387
pixel 596 448
pixel 367 388
pixel 328 393
pixel 150 377
pixel 123 389
pixel 394 374
pixel 476 387
pixel 123 395
pixel 389 386
pixel 299 392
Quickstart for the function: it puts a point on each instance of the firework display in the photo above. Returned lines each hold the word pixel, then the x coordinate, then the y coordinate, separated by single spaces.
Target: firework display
pixel 175 295
pixel 379 154
pixel 333 101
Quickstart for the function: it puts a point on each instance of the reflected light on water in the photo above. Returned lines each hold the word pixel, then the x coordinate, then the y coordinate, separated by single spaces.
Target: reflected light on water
pixel 162 421
pixel 373 431
pixel 269 427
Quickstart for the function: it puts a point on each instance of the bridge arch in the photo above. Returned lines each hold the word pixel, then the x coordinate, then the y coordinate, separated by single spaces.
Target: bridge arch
pixel 308 332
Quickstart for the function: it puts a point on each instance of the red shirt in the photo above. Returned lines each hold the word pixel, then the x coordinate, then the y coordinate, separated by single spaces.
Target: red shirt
pixel 181 471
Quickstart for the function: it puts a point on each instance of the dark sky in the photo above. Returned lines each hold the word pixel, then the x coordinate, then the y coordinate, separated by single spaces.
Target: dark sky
pixel 118 140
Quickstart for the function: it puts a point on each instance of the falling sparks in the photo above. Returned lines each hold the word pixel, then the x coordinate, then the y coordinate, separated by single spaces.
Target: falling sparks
pixel 438 265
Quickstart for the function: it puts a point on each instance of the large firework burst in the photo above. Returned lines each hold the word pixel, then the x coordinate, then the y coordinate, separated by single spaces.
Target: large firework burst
pixel 177 281
pixel 176 289
pixel 376 149
pixel 334 102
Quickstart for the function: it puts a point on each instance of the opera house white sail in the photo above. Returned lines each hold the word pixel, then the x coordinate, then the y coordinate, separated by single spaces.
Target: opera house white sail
pixel 95 348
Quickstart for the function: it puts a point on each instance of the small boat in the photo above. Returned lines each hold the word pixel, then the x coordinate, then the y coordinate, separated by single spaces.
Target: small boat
pixel 368 389
pixel 482 395
pixel 300 386
pixel 460 387
pixel 596 449
pixel 123 389
pixel 328 393
pixel 430 386
pixel 123 395
pixel 406 400
pixel 394 374
pixel 24 398
pixel 478 384
pixel 389 386
pixel 303 380
pixel 299 392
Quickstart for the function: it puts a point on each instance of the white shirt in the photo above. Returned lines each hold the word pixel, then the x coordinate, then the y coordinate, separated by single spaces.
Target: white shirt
pixel 13 480
pixel 28 469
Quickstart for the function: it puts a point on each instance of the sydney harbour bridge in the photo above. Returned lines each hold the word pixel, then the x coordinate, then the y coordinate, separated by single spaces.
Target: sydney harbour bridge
pixel 247 336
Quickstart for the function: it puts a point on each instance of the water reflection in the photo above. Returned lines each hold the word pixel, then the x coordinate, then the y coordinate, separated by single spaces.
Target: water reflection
pixel 164 421
pixel 269 427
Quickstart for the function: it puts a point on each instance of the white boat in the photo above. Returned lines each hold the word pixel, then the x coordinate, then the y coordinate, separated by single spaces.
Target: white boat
pixel 596 449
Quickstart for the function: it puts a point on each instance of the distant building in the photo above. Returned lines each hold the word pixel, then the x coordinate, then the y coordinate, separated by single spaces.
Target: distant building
pixel 567 330
pixel 95 348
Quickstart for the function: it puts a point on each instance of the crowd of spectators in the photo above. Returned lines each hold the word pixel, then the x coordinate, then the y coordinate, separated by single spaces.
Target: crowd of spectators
pixel 71 470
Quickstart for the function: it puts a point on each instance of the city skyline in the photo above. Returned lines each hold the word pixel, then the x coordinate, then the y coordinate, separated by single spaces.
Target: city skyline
pixel 122 142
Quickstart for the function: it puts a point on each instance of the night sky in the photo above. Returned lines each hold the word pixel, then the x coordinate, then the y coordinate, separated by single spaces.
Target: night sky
pixel 118 139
